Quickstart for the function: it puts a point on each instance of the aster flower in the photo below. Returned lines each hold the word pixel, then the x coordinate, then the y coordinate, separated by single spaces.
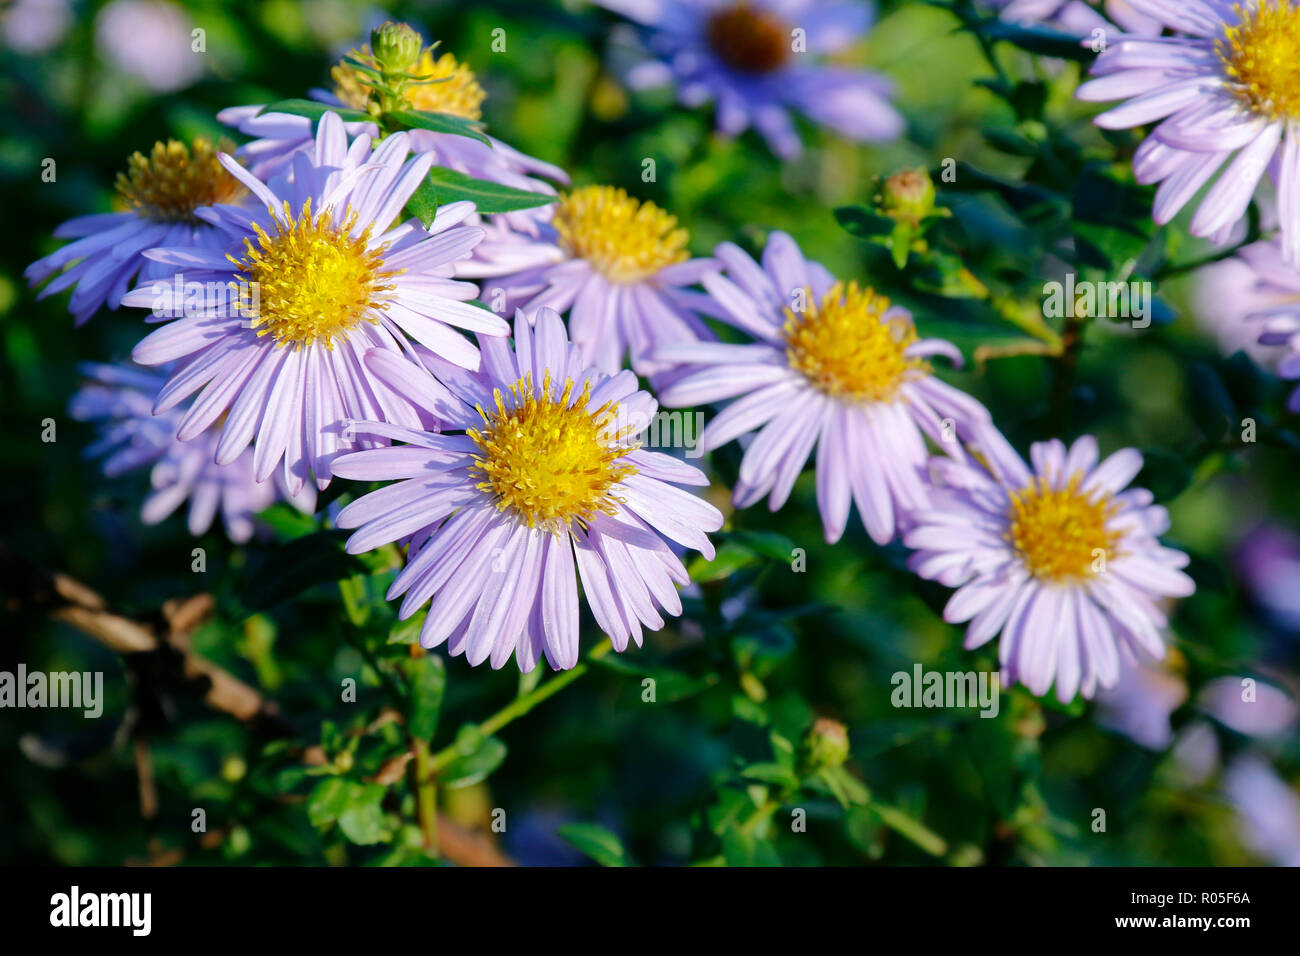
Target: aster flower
pixel 1226 93
pixel 620 268
pixel 324 273
pixel 546 486
pixel 1141 702
pixel 449 87
pixel 1234 299
pixel 1268 809
pixel 120 399
pixel 760 60
pixel 159 195
pixel 1062 559
pixel 833 366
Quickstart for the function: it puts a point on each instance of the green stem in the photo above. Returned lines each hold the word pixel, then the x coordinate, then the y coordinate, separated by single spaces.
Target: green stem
pixel 524 703
pixel 914 830
pixel 426 797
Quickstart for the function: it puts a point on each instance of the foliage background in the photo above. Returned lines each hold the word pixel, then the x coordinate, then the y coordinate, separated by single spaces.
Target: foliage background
pixel 762 650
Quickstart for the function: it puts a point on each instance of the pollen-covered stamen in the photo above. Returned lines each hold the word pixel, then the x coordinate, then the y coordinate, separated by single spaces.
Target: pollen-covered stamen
pixel 315 279
pixel 1061 533
pixel 624 239
pixel 847 348
pixel 748 39
pixel 1261 55
pixel 175 179
pixel 443 85
pixel 551 460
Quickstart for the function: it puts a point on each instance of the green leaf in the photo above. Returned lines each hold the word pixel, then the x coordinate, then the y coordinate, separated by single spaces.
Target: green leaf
pixel 445 186
pixel 428 680
pixel 438 123
pixel 1040 40
pixel 479 756
pixel 408 631
pixel 669 685
pixel 363 820
pixel 862 222
pixel 298 565
pixel 314 110
pixel 744 849
pixel 328 799
pixel 596 842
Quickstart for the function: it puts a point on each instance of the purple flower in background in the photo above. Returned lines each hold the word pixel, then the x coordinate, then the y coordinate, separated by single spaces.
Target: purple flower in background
pixel 150 40
pixel 835 367
pixel 160 195
pixel 1058 558
pixel 1141 702
pixel 545 487
pixel 120 399
pixel 760 60
pixel 1078 18
pixel 1234 299
pixel 620 268
pixel 34 26
pixel 323 273
pixel 1268 810
pixel 1226 93
pixel 1249 706
pixel 1268 563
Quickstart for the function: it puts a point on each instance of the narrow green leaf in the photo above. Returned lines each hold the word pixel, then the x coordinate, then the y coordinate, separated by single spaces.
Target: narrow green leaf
pixel 596 842
pixel 314 110
pixel 446 186
pixel 438 123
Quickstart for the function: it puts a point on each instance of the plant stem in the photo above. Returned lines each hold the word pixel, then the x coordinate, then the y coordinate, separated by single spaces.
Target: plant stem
pixel 524 703
pixel 426 797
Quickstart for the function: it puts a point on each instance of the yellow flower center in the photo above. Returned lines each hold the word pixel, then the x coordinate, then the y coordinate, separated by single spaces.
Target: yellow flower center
pixel 1261 55
pixel 1060 532
pixel 624 239
pixel 844 348
pixel 175 179
pixel 445 85
pixel 749 40
pixel 314 279
pixel 551 461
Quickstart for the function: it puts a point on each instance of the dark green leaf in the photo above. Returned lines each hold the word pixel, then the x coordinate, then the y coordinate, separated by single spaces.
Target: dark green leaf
pixel 479 756
pixel 445 186
pixel 314 110
pixel 298 565
pixel 596 842
pixel 427 677
pixel 438 123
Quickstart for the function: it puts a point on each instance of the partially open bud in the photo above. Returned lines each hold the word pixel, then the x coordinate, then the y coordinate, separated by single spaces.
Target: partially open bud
pixel 908 195
pixel 826 745
pixel 396 46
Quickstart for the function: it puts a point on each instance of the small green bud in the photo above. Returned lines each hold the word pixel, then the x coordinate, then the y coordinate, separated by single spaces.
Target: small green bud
pixel 396 46
pixel 233 769
pixel 826 745
pixel 908 195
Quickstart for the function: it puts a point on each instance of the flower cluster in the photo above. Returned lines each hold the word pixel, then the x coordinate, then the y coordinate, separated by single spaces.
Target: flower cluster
pixel 316 319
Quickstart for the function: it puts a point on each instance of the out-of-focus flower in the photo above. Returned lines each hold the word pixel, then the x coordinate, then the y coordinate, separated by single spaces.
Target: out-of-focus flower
pixel 545 487
pixel 34 26
pixel 1077 18
pixel 448 86
pixel 120 399
pixel 621 270
pixel 1268 810
pixel 1141 702
pixel 834 367
pixel 1232 302
pixel 1268 563
pixel 1255 708
pixel 322 273
pixel 1060 559
pixel 761 60
pixel 1226 90
pixel 160 195
pixel 150 40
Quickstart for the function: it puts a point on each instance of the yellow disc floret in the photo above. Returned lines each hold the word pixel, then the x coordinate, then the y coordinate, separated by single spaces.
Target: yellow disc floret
pixel 845 347
pixel 175 179
pixel 314 279
pixel 442 85
pixel 1061 533
pixel 1261 55
pixel 626 240
pixel 550 460
pixel 749 40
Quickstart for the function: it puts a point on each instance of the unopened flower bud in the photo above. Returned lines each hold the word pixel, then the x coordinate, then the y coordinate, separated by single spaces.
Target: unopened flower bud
pixel 396 46
pixel 826 744
pixel 908 195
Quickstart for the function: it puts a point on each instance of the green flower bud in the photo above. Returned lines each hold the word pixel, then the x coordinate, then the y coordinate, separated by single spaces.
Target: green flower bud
pixel 826 745
pixel 908 195
pixel 396 46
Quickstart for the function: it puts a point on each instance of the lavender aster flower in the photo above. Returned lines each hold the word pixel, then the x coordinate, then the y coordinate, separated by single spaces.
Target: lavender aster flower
pixel 834 366
pixel 1141 702
pixel 545 486
pixel 120 399
pixel 759 60
pixel 620 268
pixel 1227 94
pixel 324 273
pixel 160 194
pixel 1058 558
pixel 1268 809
